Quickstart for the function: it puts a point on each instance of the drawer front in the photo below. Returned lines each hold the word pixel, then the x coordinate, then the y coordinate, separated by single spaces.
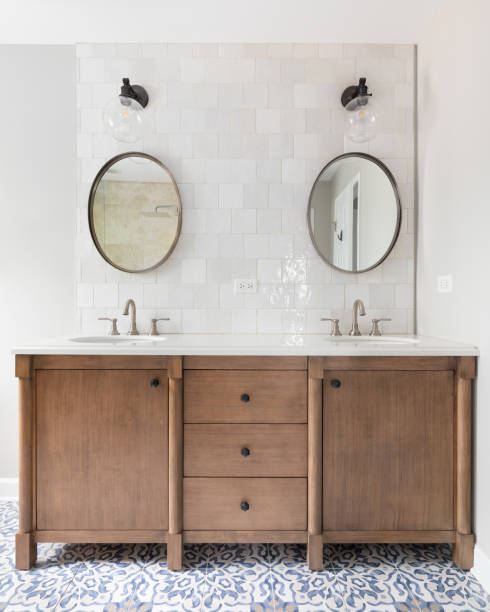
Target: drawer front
pixel 245 504
pixel 245 450
pixel 238 396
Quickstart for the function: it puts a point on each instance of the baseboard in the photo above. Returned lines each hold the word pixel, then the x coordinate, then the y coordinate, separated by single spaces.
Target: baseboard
pixel 481 568
pixel 9 489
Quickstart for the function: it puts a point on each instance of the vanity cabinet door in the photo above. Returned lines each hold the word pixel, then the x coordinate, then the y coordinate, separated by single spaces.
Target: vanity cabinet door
pixel 102 449
pixel 388 450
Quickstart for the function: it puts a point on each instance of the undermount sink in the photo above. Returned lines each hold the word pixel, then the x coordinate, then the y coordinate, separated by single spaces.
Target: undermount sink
pixel 372 340
pixel 116 339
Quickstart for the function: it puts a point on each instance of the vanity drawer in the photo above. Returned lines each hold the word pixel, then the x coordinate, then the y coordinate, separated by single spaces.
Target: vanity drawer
pixel 239 396
pixel 244 504
pixel 245 450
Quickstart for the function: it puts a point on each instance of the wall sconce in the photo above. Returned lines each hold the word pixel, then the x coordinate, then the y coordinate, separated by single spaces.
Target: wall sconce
pixel 123 116
pixel 361 113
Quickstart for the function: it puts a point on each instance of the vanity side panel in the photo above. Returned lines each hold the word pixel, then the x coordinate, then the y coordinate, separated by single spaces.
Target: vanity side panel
pixel 25 546
pixel 388 451
pixel 465 540
pixel 102 450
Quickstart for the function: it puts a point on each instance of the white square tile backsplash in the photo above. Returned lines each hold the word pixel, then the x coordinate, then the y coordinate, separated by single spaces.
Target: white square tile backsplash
pixel 245 129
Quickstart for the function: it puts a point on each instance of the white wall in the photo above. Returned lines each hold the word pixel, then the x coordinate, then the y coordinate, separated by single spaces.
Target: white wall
pixel 454 205
pixel 344 21
pixel 245 129
pixel 37 228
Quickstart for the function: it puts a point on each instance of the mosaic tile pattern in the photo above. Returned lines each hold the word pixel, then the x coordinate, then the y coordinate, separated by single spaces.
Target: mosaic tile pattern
pixel 238 578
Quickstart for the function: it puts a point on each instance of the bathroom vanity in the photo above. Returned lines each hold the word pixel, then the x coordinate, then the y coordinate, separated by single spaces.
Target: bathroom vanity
pixel 235 439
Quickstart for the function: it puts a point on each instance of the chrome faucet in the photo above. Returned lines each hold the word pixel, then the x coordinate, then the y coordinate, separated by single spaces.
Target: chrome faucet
pixel 357 309
pixel 133 331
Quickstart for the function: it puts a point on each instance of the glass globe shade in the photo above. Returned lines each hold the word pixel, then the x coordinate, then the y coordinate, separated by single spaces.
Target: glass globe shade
pixel 124 118
pixel 361 123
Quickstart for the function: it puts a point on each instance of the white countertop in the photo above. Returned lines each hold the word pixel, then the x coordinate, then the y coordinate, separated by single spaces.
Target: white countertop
pixel 252 344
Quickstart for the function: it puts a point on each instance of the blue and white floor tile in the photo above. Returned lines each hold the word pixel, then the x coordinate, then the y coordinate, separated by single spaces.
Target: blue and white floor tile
pixel 236 578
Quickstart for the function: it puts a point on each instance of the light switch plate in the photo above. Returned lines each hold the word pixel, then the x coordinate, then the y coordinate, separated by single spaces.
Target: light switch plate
pixel 245 285
pixel 445 283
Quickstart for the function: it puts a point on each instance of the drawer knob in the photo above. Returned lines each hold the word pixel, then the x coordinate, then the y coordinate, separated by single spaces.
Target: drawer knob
pixel 245 397
pixel 336 383
pixel 244 506
pixel 245 451
pixel 154 382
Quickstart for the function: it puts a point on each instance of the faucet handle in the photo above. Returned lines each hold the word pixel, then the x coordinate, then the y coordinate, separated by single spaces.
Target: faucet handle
pixel 335 330
pixel 375 331
pixel 113 331
pixel 154 329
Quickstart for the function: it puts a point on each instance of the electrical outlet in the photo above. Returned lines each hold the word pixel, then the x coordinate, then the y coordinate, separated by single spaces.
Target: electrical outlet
pixel 445 284
pixel 245 285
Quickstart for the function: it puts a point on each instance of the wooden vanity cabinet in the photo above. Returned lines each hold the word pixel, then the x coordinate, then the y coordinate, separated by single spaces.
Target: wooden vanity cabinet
pixel 244 449
pixel 94 450
pixel 393 463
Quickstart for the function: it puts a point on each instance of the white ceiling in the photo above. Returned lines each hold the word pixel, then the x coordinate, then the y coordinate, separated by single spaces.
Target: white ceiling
pixel 349 21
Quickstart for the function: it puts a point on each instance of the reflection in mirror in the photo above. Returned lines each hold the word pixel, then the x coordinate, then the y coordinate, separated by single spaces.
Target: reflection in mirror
pixel 134 212
pixel 354 212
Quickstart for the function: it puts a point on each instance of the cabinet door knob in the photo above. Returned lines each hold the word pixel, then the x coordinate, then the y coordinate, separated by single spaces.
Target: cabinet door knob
pixel 336 383
pixel 244 506
pixel 154 382
pixel 245 451
pixel 245 397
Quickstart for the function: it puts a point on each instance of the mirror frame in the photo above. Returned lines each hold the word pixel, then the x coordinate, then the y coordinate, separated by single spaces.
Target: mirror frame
pixel 390 177
pixel 91 199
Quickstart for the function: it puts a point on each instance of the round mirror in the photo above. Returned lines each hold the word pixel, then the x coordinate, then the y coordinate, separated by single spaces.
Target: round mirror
pixel 135 213
pixel 354 212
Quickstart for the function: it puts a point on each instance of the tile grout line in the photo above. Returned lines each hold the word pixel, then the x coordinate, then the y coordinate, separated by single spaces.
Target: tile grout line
pixel 70 582
pixel 269 564
pixel 136 582
pixel 201 608
pixel 341 590
pixel 413 595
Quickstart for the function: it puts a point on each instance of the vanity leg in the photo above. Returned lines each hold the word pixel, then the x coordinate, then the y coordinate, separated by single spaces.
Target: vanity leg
pixel 25 551
pixel 315 552
pixel 175 551
pixel 463 550
pixel 175 480
pixel 465 540
pixel 25 546
pixel 315 458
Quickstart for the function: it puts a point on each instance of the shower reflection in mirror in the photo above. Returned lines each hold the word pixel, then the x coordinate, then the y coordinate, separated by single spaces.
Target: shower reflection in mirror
pixel 135 212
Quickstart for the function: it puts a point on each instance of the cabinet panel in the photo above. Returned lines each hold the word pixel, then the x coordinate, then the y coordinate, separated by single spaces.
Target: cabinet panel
pixel 245 450
pixel 273 504
pixel 102 449
pixel 239 396
pixel 388 450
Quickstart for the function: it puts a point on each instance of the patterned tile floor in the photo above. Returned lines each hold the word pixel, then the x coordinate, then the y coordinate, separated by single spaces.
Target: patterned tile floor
pixel 252 578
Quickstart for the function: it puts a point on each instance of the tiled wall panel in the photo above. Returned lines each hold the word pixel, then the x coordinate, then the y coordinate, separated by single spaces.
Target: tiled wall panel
pixel 245 129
